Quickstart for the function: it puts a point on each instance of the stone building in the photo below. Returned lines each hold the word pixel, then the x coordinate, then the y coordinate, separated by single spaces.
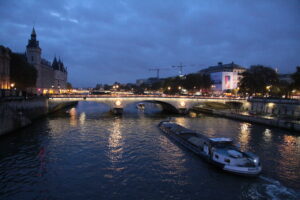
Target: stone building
pixel 51 76
pixel 224 76
pixel 4 68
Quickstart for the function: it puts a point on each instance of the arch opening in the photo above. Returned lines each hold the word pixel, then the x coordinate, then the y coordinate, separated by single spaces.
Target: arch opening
pixel 166 107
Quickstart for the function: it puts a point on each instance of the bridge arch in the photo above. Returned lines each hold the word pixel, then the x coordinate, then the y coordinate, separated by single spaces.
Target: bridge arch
pixel 168 107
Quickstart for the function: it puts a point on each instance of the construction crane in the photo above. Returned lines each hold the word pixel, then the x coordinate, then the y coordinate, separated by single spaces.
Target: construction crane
pixel 180 69
pixel 157 71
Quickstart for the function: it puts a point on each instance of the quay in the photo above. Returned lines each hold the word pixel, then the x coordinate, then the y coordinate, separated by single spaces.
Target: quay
pixel 16 113
pixel 271 112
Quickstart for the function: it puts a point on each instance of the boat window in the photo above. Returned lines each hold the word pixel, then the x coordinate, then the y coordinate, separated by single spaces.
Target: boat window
pixel 227 160
pixel 216 156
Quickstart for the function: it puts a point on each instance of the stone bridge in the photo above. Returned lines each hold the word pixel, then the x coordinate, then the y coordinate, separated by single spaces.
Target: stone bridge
pixel 177 104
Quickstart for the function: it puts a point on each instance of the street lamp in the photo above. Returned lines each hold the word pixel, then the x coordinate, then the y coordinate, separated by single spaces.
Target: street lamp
pixel 12 85
pixel 169 88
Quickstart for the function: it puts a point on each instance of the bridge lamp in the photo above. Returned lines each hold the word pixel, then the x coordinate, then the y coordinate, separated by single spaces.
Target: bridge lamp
pixel 182 104
pixel 118 103
pixel 270 105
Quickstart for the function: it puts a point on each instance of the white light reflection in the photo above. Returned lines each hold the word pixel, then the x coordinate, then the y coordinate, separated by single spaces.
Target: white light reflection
pixel 73 120
pixel 244 135
pixel 82 118
pixel 267 135
pixel 115 141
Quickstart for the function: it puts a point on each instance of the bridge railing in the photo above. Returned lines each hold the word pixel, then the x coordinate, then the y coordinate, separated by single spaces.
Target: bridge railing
pixel 138 96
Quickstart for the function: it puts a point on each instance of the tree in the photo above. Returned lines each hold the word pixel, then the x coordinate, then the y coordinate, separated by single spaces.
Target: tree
pixel 22 73
pixel 69 86
pixel 197 81
pixel 258 80
pixel 296 78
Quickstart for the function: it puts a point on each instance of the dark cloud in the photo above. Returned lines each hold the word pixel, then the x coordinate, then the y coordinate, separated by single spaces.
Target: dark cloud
pixel 107 41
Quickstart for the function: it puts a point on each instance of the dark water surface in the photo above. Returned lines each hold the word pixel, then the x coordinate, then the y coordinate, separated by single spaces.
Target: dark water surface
pixel 85 153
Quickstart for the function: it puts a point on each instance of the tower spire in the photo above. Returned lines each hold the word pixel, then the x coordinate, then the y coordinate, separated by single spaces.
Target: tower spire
pixel 33 32
pixel 33 42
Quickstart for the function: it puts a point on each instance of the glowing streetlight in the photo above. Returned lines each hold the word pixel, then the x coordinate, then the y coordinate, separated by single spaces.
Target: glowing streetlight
pixel 118 103
pixel 182 103
pixel 12 85
pixel 169 88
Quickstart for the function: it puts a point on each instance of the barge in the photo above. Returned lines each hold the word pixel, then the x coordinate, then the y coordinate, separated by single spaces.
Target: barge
pixel 221 152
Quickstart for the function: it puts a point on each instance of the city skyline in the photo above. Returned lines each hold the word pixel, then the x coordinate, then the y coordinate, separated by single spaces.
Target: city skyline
pixel 119 41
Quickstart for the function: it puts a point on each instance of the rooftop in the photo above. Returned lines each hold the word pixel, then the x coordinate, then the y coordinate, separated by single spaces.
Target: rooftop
pixel 222 68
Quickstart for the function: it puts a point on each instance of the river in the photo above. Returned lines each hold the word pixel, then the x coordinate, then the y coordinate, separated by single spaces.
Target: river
pixel 86 153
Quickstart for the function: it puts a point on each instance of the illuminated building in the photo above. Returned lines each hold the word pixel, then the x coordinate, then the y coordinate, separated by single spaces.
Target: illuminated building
pixel 224 76
pixel 50 76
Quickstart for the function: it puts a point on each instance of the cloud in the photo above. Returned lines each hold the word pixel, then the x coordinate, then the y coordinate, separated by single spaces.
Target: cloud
pixel 107 41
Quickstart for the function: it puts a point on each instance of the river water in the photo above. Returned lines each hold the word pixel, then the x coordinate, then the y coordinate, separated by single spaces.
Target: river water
pixel 85 153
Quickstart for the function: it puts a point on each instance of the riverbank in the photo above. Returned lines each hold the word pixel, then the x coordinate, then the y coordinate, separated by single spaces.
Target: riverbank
pixel 18 113
pixel 245 116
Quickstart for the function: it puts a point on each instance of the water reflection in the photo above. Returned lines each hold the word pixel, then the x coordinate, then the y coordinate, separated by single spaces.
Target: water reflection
pixel 115 141
pixel 192 114
pixel 267 135
pixel 244 135
pixel 82 118
pixel 183 121
pixel 73 118
pixel 288 151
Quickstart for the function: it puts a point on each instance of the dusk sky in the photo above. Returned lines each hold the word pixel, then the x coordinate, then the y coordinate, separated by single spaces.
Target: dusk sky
pixel 107 41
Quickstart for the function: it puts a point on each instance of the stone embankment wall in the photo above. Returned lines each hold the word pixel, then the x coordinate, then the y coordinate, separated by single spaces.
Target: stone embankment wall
pixel 280 123
pixel 15 114
pixel 288 108
pixel 277 113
